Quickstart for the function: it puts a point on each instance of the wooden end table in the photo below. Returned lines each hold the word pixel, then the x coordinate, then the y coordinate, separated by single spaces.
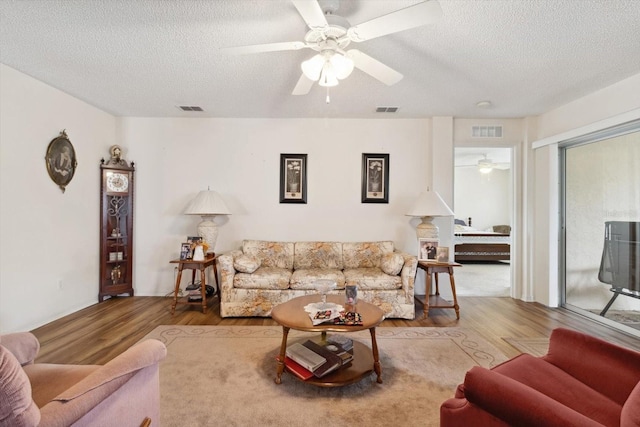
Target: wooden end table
pixel 291 315
pixel 435 301
pixel 189 264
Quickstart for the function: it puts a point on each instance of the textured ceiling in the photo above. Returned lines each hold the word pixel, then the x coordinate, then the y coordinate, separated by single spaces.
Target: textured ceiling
pixel 142 58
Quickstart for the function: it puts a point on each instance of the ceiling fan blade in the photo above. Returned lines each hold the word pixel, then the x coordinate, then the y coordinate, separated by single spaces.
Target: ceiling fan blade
pixel 260 48
pixel 424 13
pixel 303 86
pixel 374 68
pixel 311 13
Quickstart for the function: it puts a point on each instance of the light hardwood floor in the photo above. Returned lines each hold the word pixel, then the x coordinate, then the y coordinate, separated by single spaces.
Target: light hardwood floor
pixel 100 332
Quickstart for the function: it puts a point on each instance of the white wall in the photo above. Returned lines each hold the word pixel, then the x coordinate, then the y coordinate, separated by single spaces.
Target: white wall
pixel 485 198
pixel 49 240
pixel 239 158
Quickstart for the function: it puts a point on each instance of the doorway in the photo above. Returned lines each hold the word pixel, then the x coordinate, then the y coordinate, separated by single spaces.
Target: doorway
pixel 483 201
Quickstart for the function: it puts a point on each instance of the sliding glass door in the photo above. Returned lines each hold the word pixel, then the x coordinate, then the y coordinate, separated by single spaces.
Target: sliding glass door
pixel 601 196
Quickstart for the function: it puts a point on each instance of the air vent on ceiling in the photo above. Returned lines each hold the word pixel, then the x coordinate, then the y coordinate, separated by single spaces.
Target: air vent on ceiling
pixel 386 109
pixel 190 108
pixel 486 131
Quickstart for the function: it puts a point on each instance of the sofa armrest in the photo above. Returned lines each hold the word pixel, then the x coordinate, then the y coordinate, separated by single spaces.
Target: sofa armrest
pixel 226 269
pixel 23 345
pixel 408 274
pixel 526 406
pixel 96 396
pixel 612 370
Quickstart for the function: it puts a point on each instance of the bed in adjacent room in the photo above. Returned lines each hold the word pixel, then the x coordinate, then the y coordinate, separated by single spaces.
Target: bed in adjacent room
pixel 477 245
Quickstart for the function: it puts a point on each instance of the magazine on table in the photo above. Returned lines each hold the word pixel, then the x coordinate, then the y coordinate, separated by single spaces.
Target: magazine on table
pixel 322 316
pixel 350 318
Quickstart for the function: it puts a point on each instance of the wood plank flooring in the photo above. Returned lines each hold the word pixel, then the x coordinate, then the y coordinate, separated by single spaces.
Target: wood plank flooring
pixel 100 332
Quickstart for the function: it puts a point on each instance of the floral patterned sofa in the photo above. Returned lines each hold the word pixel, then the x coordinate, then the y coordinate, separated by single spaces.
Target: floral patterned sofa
pixel 264 274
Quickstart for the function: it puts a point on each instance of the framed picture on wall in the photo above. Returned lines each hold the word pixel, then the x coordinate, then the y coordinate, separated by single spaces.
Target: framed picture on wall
pixel 427 249
pixel 293 178
pixel 375 178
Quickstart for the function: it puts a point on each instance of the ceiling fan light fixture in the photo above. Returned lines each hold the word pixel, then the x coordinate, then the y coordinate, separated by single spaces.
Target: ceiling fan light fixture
pixel 342 65
pixel 485 166
pixel 313 67
pixel 328 76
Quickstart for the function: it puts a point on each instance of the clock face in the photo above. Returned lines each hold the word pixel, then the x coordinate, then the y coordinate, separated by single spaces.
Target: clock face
pixel 117 182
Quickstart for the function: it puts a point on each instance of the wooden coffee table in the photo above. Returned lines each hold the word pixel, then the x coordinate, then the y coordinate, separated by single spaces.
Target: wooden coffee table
pixel 291 315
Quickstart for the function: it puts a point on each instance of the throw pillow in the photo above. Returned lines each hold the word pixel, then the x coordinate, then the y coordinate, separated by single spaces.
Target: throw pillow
pixel 17 408
pixel 246 263
pixel 391 263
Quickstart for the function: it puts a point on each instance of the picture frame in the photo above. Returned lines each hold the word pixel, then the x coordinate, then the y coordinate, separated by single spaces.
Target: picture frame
pixel 293 178
pixel 193 239
pixel 185 251
pixel 375 178
pixel 442 254
pixel 427 249
pixel 61 160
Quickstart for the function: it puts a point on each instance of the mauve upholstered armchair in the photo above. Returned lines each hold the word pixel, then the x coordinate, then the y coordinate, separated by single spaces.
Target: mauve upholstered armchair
pixel 123 392
pixel 581 381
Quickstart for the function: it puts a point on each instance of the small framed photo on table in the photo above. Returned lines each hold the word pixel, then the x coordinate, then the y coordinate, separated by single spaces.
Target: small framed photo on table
pixel 185 251
pixel 442 254
pixel 427 249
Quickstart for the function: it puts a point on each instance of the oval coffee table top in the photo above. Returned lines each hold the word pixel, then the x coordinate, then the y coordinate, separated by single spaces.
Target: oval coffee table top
pixel 291 314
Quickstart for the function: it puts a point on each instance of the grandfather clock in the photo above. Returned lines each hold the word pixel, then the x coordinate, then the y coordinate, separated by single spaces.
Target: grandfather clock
pixel 116 226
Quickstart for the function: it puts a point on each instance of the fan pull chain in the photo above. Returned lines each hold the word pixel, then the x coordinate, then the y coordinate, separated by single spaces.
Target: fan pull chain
pixel 328 100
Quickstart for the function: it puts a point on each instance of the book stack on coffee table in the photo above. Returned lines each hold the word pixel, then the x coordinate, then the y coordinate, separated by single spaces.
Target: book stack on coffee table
pixel 311 359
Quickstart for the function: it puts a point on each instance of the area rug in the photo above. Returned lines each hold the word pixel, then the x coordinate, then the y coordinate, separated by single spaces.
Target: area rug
pixel 224 375
pixel 534 346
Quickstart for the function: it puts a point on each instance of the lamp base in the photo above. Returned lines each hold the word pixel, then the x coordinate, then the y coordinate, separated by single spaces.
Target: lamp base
pixel 208 230
pixel 427 229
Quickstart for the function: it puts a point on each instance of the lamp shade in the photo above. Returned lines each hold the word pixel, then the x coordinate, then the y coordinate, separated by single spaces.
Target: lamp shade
pixel 429 204
pixel 207 202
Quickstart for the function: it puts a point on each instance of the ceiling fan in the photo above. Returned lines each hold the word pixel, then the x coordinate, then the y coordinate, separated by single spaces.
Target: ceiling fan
pixel 330 34
pixel 485 165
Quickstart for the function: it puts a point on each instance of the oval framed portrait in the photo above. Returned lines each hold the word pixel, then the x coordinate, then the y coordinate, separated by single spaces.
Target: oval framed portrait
pixel 61 160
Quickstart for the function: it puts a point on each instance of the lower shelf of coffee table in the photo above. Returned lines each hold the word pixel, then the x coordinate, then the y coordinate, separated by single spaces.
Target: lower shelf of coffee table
pixel 360 367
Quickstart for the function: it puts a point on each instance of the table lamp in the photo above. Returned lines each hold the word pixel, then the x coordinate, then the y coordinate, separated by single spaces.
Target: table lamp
pixel 427 206
pixel 208 204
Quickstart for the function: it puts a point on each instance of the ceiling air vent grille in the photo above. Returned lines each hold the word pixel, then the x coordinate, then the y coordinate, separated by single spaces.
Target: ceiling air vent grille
pixel 486 131
pixel 386 109
pixel 190 108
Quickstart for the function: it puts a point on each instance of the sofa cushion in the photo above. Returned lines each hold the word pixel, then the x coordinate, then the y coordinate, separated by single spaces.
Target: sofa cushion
pixel 391 263
pixel 305 278
pixel 371 278
pixel 317 255
pixel 246 263
pixel 555 383
pixel 17 408
pixel 263 278
pixel 270 254
pixel 364 254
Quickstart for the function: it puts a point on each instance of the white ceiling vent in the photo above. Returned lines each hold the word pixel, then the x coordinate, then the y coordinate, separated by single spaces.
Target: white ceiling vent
pixel 386 109
pixel 190 108
pixel 486 131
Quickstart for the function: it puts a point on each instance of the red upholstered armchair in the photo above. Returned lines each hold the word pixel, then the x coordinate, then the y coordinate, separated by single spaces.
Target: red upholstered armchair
pixel 581 381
